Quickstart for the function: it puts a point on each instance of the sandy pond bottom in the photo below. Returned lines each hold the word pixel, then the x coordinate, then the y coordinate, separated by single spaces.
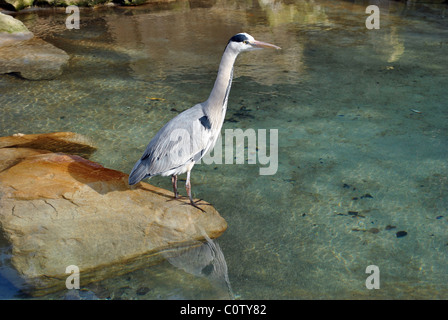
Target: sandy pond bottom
pixel 356 166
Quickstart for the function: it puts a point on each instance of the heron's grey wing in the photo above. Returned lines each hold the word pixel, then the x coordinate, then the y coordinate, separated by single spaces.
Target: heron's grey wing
pixel 184 139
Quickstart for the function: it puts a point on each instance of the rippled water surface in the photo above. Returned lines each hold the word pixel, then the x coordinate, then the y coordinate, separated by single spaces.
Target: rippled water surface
pixel 353 158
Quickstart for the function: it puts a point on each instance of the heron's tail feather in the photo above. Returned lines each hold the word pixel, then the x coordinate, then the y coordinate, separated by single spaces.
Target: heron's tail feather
pixel 138 173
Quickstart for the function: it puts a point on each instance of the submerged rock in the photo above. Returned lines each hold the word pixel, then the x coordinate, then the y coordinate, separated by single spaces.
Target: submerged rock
pixel 33 59
pixel 22 53
pixel 401 234
pixel 59 210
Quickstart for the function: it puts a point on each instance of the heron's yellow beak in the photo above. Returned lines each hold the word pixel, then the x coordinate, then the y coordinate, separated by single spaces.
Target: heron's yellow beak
pixel 261 44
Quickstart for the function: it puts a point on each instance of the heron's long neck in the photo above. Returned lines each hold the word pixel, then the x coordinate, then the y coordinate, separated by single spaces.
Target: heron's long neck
pixel 216 104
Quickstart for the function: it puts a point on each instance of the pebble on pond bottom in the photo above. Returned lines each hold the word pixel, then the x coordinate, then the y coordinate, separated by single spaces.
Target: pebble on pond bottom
pixel 401 234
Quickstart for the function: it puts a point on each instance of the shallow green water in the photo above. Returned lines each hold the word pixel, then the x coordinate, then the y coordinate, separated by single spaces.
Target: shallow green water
pixel 340 96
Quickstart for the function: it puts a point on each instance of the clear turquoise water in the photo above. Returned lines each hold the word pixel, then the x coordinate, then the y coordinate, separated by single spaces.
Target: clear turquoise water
pixel 340 96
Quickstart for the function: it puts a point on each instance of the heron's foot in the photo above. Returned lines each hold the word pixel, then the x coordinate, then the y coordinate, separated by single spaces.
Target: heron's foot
pixel 192 203
pixel 204 204
pixel 175 197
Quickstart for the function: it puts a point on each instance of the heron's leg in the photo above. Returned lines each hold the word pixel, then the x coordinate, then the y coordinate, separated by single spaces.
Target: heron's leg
pixel 174 181
pixel 188 187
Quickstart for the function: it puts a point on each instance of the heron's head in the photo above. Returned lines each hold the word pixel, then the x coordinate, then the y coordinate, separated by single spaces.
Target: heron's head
pixel 245 42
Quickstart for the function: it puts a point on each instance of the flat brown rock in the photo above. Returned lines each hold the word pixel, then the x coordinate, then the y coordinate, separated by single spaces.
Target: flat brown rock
pixel 11 156
pixel 59 210
pixel 65 142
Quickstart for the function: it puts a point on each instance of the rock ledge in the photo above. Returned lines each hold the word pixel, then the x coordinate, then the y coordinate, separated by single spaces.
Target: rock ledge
pixel 59 210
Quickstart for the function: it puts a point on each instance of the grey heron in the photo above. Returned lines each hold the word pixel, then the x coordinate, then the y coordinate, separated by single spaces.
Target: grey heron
pixel 186 138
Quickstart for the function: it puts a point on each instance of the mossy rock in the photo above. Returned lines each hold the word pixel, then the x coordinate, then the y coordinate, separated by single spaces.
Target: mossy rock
pixel 10 25
pixel 16 4
pixel 130 2
pixel 21 4
pixel 65 3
